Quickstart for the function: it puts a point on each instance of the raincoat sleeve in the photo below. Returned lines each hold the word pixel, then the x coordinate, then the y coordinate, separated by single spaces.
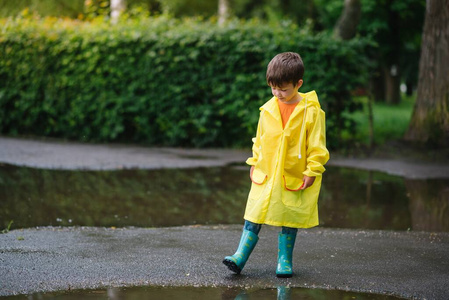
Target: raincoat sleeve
pixel 256 147
pixel 317 153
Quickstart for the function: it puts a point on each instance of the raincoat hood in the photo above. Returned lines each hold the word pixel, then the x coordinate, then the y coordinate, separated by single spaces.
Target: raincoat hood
pixel 310 97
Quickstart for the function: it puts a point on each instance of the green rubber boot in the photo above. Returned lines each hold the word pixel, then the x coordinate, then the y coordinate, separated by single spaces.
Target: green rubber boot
pixel 286 245
pixel 236 262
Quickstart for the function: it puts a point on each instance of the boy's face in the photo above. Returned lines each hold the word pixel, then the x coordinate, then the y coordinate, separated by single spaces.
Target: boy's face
pixel 287 92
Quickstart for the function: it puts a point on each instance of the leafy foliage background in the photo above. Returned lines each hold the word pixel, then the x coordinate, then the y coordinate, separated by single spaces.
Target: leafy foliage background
pixel 163 81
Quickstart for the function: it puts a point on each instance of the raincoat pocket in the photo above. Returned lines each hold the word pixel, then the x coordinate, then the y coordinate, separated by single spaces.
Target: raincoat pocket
pixel 259 179
pixel 291 195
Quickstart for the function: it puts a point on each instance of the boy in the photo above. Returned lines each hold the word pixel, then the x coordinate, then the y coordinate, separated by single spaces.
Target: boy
pixel 289 153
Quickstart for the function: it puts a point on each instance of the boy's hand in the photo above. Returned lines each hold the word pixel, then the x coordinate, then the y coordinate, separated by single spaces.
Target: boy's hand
pixel 308 181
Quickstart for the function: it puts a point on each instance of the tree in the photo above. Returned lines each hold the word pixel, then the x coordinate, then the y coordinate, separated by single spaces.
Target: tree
pixel 396 26
pixel 430 119
pixel 117 8
pixel 346 27
pixel 223 11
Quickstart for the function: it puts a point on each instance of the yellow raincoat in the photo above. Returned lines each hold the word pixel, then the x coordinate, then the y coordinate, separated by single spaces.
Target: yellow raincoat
pixel 281 157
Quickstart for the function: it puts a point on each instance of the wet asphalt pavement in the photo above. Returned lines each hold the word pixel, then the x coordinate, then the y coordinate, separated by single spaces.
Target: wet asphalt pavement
pixel 407 264
pixel 412 265
pixel 51 154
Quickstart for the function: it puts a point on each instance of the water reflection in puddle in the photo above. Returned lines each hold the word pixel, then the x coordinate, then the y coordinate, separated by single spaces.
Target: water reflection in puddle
pixel 190 293
pixel 172 197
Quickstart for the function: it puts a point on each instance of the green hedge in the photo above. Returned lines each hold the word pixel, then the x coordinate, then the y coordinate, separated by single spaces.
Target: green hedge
pixel 161 81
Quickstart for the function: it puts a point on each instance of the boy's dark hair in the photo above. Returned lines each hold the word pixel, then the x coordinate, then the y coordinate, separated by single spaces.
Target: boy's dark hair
pixel 285 68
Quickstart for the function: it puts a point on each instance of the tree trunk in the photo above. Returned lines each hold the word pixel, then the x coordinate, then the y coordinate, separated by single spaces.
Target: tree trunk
pixel 223 11
pixel 117 8
pixel 392 85
pixel 346 26
pixel 377 83
pixel 430 119
pixel 410 86
pixel 392 74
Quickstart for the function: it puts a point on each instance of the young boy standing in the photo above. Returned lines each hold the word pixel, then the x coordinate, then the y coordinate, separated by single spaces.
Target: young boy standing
pixel 289 153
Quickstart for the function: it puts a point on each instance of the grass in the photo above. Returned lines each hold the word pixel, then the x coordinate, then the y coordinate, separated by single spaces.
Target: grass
pixel 390 121
pixel 6 230
pixel 390 125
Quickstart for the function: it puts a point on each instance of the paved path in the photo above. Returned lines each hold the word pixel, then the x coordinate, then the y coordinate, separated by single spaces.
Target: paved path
pixel 69 156
pixel 413 265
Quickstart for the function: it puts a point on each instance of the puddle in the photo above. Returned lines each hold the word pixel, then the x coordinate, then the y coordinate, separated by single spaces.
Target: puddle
pixel 155 198
pixel 189 293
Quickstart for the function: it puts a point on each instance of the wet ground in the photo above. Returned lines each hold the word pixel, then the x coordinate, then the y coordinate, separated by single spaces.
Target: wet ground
pixel 366 256
pixel 403 264
pixel 61 155
pixel 55 154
